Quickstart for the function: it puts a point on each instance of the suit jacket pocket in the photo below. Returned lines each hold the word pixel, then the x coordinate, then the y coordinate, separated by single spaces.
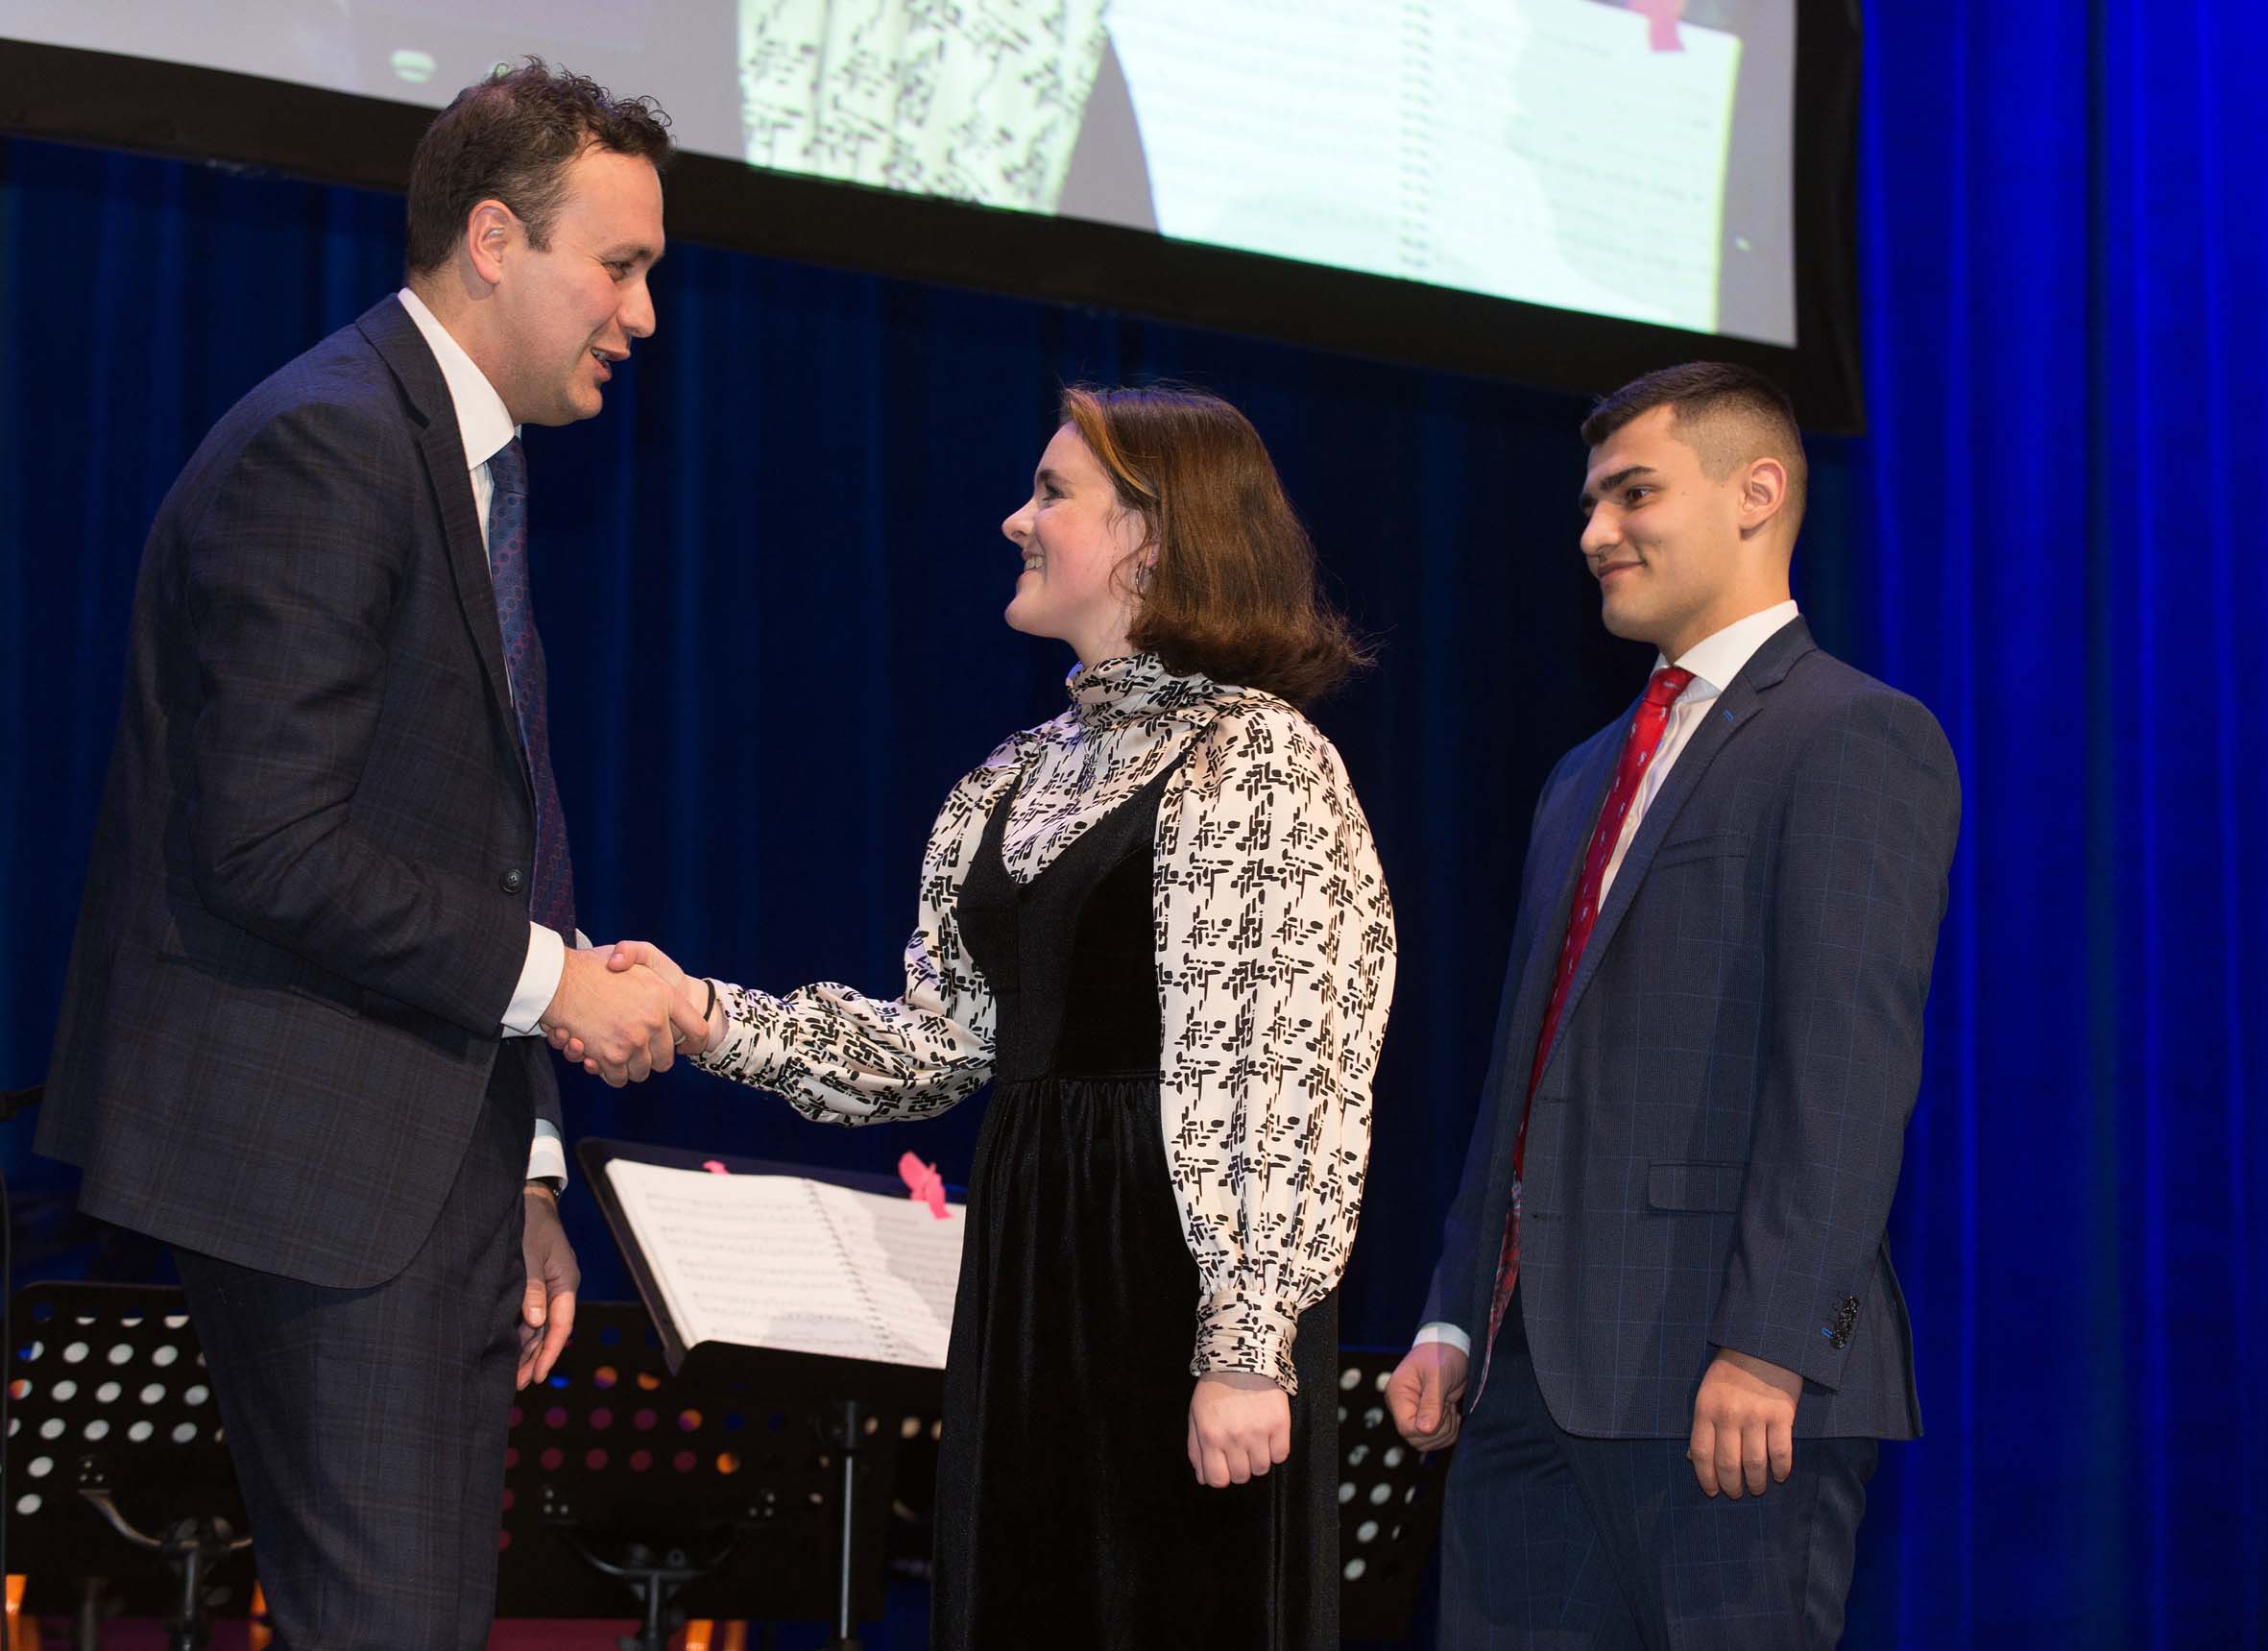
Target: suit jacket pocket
pixel 1695 1187
pixel 1716 845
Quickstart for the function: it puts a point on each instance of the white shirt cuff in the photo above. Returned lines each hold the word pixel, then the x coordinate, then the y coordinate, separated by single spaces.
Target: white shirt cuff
pixel 1434 1332
pixel 538 982
pixel 546 1155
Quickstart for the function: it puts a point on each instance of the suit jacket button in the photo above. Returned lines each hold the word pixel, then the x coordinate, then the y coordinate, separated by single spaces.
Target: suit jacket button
pixel 514 881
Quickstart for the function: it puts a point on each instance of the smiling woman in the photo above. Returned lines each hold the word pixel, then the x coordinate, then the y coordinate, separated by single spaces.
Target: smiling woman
pixel 1173 490
pixel 1085 555
pixel 1121 911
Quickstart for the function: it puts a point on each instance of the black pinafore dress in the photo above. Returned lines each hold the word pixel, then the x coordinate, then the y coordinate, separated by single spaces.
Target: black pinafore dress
pixel 1067 1510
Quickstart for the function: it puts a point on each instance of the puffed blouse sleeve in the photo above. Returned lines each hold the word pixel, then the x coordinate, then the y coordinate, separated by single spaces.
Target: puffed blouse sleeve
pixel 1275 958
pixel 839 1056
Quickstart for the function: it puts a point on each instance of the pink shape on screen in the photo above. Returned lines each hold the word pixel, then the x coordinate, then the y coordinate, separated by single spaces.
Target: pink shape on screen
pixel 1663 16
pixel 714 1167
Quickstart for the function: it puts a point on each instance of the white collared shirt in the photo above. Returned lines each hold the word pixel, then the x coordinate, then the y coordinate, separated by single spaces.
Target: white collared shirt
pixel 1714 661
pixel 485 427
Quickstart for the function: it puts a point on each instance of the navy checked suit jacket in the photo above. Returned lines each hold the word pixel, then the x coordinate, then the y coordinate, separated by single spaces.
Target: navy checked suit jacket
pixel 307 905
pixel 1717 1133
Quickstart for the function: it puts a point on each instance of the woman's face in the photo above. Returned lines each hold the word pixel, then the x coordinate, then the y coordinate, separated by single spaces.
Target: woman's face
pixel 1075 537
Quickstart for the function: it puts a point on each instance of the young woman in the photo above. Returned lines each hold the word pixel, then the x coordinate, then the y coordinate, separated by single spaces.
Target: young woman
pixel 1156 924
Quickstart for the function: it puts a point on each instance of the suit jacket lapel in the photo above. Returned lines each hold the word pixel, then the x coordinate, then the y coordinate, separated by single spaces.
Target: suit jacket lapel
pixel 394 336
pixel 1568 823
pixel 1733 710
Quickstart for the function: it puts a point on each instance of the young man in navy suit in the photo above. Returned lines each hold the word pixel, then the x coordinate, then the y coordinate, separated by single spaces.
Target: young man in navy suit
pixel 1664 1319
pixel 329 911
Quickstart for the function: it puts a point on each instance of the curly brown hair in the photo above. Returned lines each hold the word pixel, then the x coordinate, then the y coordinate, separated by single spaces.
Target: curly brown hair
pixel 511 137
pixel 1233 591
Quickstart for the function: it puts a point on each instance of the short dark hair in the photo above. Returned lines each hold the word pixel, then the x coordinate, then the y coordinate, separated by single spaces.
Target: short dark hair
pixel 511 137
pixel 1234 592
pixel 1727 414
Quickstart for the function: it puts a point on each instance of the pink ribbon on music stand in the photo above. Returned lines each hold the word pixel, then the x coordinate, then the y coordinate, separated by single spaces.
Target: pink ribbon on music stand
pixel 924 1184
pixel 1663 16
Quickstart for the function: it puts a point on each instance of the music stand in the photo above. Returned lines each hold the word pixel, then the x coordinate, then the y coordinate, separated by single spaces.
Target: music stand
pixel 700 1498
pixel 122 1496
pixel 1389 1504
pixel 856 1394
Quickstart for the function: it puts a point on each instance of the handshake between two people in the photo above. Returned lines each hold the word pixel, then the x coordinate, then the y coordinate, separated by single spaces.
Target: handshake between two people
pixel 626 1011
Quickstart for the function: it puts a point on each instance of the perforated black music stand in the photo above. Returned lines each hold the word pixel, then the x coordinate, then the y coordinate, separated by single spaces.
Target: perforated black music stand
pixel 1389 1504
pixel 122 1495
pixel 693 1496
pixel 866 1405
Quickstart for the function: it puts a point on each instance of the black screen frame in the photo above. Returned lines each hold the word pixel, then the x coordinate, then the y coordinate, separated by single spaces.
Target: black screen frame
pixel 139 104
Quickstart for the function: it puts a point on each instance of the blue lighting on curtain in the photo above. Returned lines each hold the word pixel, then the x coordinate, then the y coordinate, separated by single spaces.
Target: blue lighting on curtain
pixel 770 580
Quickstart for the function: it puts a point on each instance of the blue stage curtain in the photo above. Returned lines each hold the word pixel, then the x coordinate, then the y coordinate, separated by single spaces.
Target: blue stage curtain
pixel 770 580
pixel 2054 541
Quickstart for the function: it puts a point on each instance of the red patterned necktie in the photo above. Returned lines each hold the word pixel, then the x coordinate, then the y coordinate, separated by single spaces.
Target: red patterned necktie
pixel 1647 727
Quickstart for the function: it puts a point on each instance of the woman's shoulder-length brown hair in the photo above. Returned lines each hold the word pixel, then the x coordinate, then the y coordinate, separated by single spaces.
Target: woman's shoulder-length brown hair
pixel 1233 592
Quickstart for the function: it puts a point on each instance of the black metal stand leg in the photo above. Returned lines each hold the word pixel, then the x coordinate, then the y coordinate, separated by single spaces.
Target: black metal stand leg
pixel 845 1636
pixel 88 1632
pixel 189 1624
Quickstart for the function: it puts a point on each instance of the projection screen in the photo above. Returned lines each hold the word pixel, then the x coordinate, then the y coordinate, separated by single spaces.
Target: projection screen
pixel 1630 159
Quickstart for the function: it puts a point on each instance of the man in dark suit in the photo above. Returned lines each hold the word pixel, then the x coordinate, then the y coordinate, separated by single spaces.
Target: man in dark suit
pixel 330 912
pixel 1664 1303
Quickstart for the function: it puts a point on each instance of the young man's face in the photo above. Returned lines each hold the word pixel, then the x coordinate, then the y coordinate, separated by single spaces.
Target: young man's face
pixel 1662 538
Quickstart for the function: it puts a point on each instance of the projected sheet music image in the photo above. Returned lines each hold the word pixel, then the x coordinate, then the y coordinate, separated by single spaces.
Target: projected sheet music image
pixel 1622 158
pixel 1571 153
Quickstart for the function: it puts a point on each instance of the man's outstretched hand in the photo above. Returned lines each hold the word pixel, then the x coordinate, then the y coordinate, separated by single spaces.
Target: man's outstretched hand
pixel 626 1020
pixel 696 1035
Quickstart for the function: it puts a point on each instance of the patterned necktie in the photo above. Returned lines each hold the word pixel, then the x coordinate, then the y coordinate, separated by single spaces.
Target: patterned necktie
pixel 553 900
pixel 1647 727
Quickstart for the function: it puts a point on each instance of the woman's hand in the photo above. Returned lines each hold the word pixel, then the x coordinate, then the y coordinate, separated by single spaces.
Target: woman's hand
pixel 625 955
pixel 1240 1425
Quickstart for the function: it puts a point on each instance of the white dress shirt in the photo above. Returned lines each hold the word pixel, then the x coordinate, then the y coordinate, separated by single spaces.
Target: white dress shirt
pixel 485 427
pixel 1714 661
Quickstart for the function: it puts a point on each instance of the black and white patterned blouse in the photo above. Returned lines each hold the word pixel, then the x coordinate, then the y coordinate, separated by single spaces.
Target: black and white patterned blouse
pixel 1275 968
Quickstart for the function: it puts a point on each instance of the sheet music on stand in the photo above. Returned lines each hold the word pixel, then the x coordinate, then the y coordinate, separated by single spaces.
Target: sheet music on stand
pixel 777 1282
pixel 788 1262
pixel 727 1268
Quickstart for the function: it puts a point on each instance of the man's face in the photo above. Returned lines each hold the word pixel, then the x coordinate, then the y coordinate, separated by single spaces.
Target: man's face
pixel 570 313
pixel 1662 538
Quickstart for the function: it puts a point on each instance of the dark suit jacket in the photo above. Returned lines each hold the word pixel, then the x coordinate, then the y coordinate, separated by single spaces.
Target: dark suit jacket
pixel 307 908
pixel 1717 1132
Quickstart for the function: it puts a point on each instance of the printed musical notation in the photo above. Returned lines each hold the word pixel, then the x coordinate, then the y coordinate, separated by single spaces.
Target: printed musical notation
pixel 803 1266
pixel 972 100
pixel 1542 150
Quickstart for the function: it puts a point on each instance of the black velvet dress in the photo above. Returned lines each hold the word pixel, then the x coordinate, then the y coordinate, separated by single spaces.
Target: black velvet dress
pixel 1067 1512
